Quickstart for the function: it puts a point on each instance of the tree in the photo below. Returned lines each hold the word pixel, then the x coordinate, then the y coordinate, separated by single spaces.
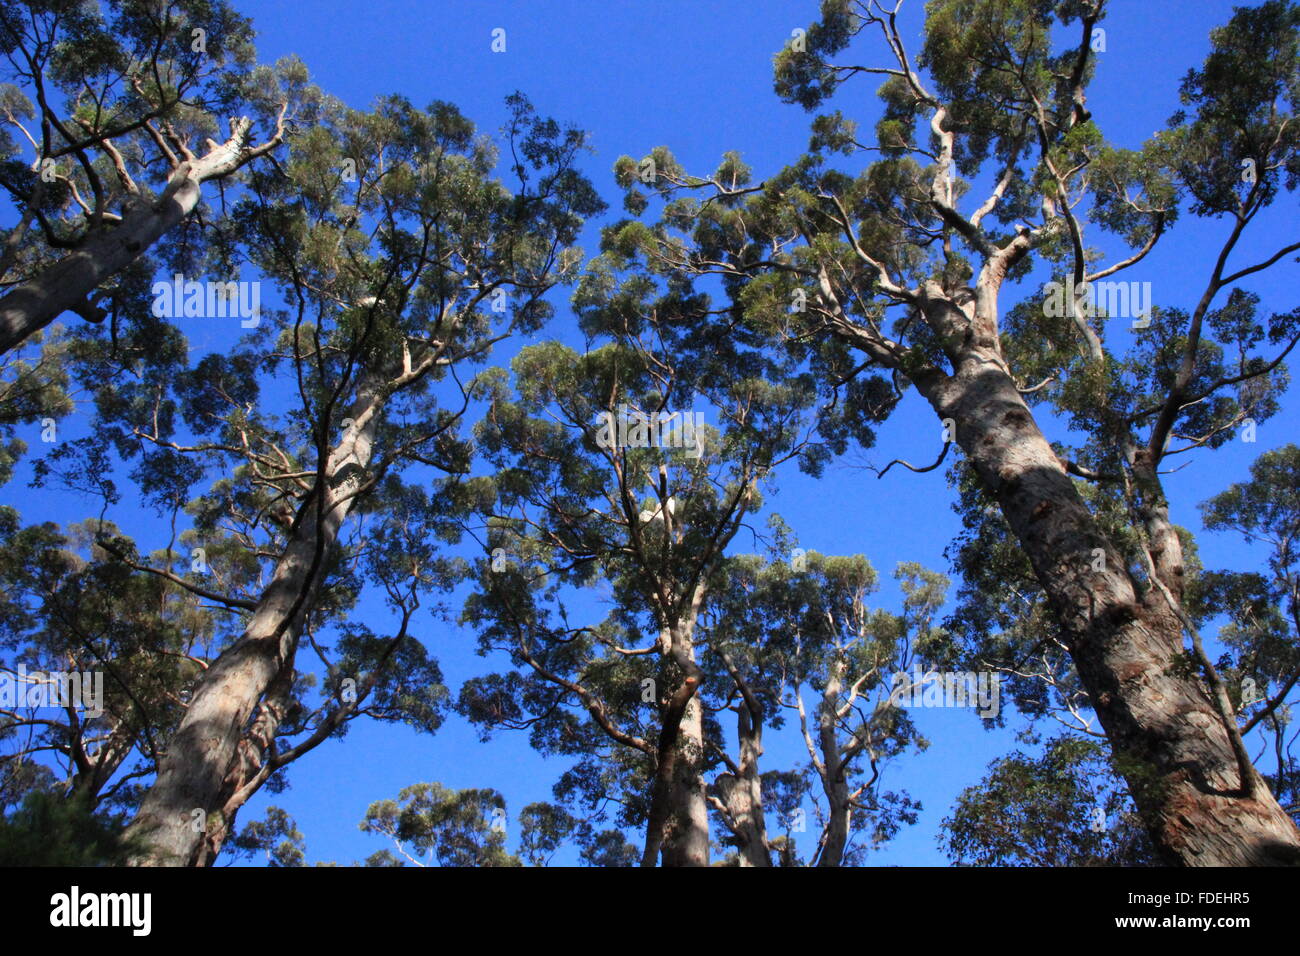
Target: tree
pixel 576 510
pixel 47 830
pixel 631 466
pixel 889 271
pixel 1064 808
pixel 276 836
pixel 69 609
pixel 607 481
pixel 455 827
pixel 805 624
pixel 122 101
pixel 396 279
pixel 1262 634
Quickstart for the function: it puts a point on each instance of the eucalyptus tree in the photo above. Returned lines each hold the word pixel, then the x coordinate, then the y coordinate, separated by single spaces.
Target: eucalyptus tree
pixel 806 624
pixel 1001 622
pixel 623 472
pixel 892 269
pixel 401 260
pixel 113 120
pixel 1262 612
pixel 70 610
pixel 429 822
pixel 33 389
pixel 1062 808
pixel 276 837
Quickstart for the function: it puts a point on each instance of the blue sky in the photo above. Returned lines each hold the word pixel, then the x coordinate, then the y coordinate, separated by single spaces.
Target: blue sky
pixel 696 76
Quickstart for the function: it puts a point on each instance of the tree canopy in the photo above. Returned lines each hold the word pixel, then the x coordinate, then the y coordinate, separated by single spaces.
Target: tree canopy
pixel 435 421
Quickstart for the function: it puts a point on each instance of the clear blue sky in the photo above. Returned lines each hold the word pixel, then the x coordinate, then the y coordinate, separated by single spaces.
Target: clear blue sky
pixel 696 76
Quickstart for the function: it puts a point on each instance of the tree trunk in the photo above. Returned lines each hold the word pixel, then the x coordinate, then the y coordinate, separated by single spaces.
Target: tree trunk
pixel 677 828
pixel 834 775
pixel 686 841
pixel 742 794
pixel 1168 739
pixel 244 778
pixel 195 773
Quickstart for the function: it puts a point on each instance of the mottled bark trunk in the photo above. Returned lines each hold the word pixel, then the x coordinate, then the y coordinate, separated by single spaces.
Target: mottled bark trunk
pixel 686 840
pixel 677 828
pixel 196 772
pixel 741 794
pixel 33 304
pixel 245 776
pixel 1167 736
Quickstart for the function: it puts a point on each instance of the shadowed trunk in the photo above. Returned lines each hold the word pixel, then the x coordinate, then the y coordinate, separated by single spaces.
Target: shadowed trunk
pixel 678 822
pixel 740 794
pixel 686 842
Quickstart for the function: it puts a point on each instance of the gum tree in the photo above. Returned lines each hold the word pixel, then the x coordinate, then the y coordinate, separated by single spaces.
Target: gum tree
pixel 69 609
pixel 784 629
pixel 1262 611
pixel 606 478
pixel 114 120
pixel 1063 808
pixel 590 504
pixel 987 161
pixel 401 261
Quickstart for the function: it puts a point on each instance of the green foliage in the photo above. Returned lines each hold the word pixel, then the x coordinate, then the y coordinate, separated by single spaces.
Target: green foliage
pixel 276 837
pixel 1062 808
pixel 454 827
pixel 1241 106
pixel 1261 610
pixel 49 830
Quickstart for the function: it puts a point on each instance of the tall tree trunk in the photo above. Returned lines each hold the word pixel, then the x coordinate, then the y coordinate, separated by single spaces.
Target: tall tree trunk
pixel 834 773
pixel 686 842
pixel 201 755
pixel 65 286
pixel 741 794
pixel 1168 738
pixel 243 779
pixel 677 828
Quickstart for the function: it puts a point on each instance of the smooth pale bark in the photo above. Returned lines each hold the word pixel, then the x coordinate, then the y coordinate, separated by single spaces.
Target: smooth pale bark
pixel 196 773
pixel 740 794
pixel 677 827
pixel 65 286
pixel 686 842
pixel 244 778
pixel 1168 738
pixel 833 771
